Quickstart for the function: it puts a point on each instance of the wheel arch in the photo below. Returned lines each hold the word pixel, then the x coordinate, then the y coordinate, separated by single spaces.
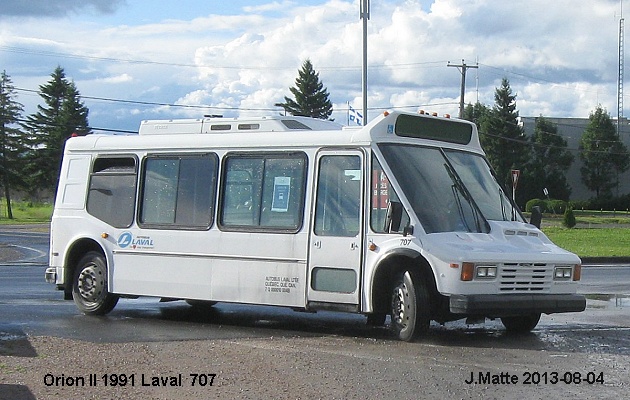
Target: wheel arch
pixel 75 252
pixel 394 263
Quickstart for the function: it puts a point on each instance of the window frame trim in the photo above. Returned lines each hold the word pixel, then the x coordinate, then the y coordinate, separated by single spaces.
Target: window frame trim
pixel 136 173
pixel 289 154
pixel 174 226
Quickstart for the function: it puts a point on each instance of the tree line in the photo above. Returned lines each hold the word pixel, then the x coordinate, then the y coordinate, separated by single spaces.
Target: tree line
pixel 544 157
pixel 31 146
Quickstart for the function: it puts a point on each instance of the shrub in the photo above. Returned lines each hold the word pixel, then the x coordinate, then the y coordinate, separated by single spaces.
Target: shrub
pixel 569 218
pixel 536 202
pixel 557 206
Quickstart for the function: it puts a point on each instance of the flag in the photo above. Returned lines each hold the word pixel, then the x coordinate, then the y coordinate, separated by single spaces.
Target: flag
pixel 354 117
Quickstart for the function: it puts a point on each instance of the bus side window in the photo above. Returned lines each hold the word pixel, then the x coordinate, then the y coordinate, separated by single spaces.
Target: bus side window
pixel 337 211
pixel 179 191
pixel 263 192
pixel 112 192
pixel 238 191
pixel 382 194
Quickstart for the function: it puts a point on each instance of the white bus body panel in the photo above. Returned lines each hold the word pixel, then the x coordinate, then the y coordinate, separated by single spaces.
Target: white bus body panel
pixel 212 265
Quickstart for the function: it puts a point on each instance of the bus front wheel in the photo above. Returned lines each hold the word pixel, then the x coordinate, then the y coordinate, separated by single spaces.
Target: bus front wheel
pixel 89 286
pixel 409 307
pixel 521 324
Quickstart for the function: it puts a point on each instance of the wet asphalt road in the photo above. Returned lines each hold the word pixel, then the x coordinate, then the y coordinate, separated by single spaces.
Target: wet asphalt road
pixel 30 306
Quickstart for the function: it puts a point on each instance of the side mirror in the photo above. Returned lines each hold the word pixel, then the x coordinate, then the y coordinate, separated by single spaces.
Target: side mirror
pixel 393 217
pixel 536 218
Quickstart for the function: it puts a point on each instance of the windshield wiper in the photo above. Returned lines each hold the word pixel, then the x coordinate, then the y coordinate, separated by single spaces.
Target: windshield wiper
pixel 460 208
pixel 459 186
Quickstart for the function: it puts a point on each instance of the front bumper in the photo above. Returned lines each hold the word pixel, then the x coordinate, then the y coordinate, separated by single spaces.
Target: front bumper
pixel 505 305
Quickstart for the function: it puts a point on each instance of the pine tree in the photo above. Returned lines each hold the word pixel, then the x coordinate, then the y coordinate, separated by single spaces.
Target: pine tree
pixel 476 113
pixel 62 115
pixel 603 154
pixel 311 97
pixel 502 138
pixel 548 163
pixel 11 143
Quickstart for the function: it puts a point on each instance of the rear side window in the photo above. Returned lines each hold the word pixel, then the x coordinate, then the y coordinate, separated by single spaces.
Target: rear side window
pixel 179 191
pixel 112 192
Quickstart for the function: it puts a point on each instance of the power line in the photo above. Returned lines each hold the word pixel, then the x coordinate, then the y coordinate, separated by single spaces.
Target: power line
pixel 45 53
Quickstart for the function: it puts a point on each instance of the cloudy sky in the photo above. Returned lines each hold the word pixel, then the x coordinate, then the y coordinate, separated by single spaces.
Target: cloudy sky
pixel 144 59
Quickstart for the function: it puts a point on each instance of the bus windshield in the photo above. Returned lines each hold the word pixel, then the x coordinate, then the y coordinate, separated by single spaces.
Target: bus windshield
pixel 478 178
pixel 450 191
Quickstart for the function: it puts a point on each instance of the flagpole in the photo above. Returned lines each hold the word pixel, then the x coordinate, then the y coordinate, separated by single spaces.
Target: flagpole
pixel 348 113
pixel 364 15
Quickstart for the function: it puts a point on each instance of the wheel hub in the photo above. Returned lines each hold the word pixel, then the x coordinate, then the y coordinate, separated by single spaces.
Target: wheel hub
pixel 90 283
pixel 399 305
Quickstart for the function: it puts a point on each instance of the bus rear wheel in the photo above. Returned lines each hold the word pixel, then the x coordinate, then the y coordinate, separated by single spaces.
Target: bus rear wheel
pixel 410 317
pixel 521 324
pixel 89 286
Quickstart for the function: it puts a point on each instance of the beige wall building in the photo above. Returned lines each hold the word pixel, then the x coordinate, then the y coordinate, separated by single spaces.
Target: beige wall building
pixel 572 129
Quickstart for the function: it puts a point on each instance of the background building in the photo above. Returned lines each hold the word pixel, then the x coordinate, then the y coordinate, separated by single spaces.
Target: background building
pixel 572 129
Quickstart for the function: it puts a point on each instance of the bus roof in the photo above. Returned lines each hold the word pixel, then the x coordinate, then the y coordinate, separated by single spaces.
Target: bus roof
pixel 231 125
pixel 286 131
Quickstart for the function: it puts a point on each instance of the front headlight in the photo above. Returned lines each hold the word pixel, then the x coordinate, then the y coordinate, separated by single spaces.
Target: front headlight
pixel 563 273
pixel 486 272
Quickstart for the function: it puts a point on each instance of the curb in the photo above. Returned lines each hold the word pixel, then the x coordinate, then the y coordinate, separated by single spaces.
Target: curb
pixel 598 261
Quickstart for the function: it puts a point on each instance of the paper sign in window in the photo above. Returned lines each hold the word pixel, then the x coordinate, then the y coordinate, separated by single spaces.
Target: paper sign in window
pixel 281 192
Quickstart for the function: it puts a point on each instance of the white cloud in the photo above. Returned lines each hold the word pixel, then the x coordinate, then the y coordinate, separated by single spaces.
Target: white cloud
pixel 122 78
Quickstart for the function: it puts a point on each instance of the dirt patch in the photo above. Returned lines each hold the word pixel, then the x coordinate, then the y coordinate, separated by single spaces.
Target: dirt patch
pixel 329 367
pixel 10 253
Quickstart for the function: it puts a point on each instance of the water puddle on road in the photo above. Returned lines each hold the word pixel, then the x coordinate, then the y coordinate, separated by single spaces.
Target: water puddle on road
pixel 607 301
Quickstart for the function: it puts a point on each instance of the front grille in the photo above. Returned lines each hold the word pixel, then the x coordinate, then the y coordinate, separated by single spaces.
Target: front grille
pixel 525 277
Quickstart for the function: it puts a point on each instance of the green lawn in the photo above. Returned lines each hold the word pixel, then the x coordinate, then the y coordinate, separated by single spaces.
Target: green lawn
pixel 592 242
pixel 25 213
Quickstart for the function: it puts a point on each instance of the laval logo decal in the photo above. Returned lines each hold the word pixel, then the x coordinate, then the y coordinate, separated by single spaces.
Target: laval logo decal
pixel 126 239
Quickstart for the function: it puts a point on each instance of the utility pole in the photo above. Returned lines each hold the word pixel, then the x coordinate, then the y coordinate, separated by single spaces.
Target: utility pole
pixel 462 68
pixel 364 14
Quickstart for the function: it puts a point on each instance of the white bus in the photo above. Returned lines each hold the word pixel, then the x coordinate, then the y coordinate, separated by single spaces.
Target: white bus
pixel 402 217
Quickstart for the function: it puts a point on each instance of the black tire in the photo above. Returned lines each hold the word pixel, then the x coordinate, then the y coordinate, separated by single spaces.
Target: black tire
pixel 410 304
pixel 521 324
pixel 201 304
pixel 89 286
pixel 376 319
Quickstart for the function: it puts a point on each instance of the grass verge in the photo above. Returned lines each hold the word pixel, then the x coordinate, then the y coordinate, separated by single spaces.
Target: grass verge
pixel 592 242
pixel 26 213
